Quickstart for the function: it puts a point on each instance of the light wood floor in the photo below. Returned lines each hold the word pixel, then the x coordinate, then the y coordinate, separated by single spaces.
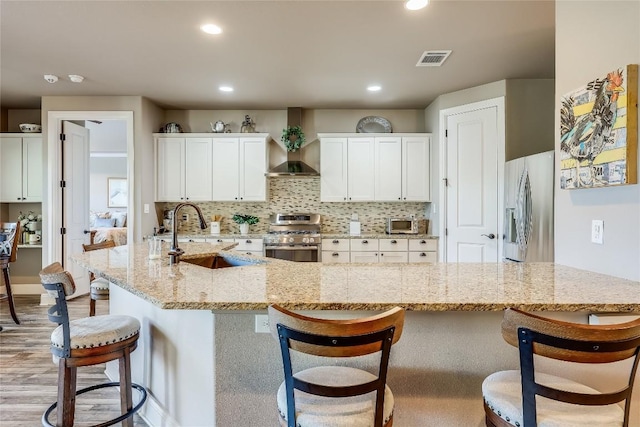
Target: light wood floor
pixel 28 377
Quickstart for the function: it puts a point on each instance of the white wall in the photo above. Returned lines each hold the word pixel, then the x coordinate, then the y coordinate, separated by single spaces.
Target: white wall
pixel 588 45
pixel 101 169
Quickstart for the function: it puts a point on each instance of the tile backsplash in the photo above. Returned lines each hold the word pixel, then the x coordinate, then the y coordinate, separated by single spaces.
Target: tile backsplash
pixel 291 195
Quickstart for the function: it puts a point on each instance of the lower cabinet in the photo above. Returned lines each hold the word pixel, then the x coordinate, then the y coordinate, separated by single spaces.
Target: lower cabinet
pixel 387 250
pixel 250 246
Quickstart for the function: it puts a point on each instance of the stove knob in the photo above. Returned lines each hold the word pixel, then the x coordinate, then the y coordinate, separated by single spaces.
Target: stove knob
pixel 290 239
pixel 311 240
pixel 305 240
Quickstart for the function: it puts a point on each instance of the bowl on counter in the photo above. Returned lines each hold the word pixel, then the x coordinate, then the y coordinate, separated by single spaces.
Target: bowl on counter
pixel 30 128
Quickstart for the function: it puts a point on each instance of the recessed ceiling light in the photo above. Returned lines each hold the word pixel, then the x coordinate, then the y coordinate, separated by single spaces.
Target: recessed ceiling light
pixel 416 4
pixel 374 88
pixel 76 78
pixel 226 88
pixel 211 29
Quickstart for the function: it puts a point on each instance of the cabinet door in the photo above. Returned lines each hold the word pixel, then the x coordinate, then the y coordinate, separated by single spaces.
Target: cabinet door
pixel 335 257
pixel 361 169
pixel 170 169
pixel 198 163
pixel 253 166
pixel 388 151
pixel 32 169
pixel 333 170
pixel 11 169
pixel 415 169
pixel 226 169
pixel 393 257
pixel 364 257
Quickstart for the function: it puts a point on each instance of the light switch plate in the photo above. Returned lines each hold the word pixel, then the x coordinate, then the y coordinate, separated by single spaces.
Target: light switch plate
pixel 262 324
pixel 146 208
pixel 597 231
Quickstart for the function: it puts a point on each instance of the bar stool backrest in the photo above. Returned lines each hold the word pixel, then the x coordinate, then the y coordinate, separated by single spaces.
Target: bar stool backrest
pixel 12 232
pixel 59 284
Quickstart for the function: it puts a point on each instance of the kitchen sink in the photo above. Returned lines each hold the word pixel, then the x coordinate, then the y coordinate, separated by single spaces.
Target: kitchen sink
pixel 215 261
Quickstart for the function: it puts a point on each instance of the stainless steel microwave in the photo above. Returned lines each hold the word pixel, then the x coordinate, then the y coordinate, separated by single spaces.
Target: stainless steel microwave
pixel 402 226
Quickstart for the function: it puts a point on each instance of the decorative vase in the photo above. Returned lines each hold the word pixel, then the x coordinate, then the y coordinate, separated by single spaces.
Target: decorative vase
pixel 244 229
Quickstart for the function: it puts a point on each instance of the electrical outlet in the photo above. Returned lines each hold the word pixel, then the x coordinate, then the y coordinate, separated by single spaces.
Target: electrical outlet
pixel 262 324
pixel 185 217
pixel 597 231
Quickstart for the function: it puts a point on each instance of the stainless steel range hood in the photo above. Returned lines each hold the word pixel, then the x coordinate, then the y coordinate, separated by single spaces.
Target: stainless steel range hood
pixel 294 166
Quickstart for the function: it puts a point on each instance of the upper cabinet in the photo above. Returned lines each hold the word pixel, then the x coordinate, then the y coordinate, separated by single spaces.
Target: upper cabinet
pixel 382 167
pixel 183 168
pixel 239 167
pixel 205 167
pixel 20 168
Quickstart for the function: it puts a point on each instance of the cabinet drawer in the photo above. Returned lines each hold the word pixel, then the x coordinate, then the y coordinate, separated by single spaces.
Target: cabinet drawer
pixel 364 245
pixel 418 257
pixel 423 244
pixel 392 245
pixel 335 257
pixel 335 244
pixel 249 245
pixel 393 257
pixel 366 257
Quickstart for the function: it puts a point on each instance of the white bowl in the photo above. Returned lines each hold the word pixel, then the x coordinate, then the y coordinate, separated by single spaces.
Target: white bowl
pixel 30 128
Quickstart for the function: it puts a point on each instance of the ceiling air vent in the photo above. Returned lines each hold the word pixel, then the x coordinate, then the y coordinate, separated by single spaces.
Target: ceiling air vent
pixel 433 58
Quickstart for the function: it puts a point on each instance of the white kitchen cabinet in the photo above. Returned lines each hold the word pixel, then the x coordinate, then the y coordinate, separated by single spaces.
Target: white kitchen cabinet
pixel 183 169
pixel 423 250
pixel 239 167
pixel 21 168
pixel 376 167
pixel 393 250
pixel 250 246
pixel 402 169
pixel 364 250
pixel 347 169
pixel 335 251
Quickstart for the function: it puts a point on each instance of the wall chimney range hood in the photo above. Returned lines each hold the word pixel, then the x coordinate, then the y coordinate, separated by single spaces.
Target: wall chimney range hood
pixel 294 166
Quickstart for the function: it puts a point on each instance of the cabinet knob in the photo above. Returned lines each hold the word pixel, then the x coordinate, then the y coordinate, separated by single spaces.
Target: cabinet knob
pixel 344 198
pixel 393 242
pixel 405 198
pixel 335 242
pixel 335 254
pixel 365 242
pixel 236 198
pixel 423 254
pixel 399 198
pixel 240 198
pixel 423 242
pixel 248 241
pixel 219 240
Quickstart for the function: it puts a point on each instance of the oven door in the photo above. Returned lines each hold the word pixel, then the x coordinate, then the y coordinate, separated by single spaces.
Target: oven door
pixel 293 253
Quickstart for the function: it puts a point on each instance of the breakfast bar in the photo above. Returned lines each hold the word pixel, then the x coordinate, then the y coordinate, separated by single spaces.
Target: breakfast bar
pixel 204 363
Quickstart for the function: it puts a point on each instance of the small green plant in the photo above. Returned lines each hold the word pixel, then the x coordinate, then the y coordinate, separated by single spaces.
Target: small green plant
pixel 292 137
pixel 245 219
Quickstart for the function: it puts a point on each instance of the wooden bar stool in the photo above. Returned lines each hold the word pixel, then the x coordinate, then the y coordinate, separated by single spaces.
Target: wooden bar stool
pixel 98 288
pixel 84 342
pixel 308 397
pixel 10 232
pixel 510 396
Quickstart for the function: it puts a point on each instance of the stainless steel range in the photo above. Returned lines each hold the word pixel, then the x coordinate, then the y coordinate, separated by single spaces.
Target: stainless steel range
pixel 294 237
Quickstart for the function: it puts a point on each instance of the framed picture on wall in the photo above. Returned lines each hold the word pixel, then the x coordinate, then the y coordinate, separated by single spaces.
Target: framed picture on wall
pixel 117 192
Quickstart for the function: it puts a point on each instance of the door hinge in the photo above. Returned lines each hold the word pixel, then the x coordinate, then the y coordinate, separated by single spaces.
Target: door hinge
pixel 63 137
pixel 446 231
pixel 63 184
pixel 446 182
pixel 446 133
pixel 63 231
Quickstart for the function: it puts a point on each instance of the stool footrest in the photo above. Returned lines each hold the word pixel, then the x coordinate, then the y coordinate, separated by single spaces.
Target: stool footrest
pixel 143 398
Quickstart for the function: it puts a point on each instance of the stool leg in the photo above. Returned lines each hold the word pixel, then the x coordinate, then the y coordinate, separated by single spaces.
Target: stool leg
pixel 126 398
pixel 66 394
pixel 7 283
pixel 92 307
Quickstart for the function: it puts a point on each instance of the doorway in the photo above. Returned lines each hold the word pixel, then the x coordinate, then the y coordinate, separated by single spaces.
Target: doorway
pixel 54 236
pixel 472 159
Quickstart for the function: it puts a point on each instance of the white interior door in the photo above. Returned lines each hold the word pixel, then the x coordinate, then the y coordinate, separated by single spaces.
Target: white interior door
pixel 472 233
pixel 75 167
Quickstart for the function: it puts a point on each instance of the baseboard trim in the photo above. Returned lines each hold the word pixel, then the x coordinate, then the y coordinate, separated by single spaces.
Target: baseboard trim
pixel 26 288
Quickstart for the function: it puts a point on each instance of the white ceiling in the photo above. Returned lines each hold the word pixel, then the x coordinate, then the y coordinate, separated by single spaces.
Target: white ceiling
pixel 310 54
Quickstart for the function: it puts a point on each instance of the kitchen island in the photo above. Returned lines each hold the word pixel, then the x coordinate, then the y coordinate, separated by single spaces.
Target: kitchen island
pixel 205 365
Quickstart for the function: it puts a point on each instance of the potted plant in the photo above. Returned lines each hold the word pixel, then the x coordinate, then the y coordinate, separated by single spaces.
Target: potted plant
pixel 245 221
pixel 292 137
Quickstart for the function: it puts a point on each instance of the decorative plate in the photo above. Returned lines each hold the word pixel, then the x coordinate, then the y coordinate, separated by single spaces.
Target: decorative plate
pixel 373 124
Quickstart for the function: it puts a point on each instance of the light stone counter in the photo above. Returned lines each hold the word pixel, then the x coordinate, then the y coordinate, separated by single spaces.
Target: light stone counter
pixel 317 286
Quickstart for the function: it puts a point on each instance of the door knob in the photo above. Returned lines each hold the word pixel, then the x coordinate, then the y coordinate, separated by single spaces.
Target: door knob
pixel 490 236
pixel 86 231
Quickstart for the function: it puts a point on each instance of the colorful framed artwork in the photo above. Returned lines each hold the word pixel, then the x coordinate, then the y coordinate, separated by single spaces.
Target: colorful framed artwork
pixel 117 192
pixel 599 132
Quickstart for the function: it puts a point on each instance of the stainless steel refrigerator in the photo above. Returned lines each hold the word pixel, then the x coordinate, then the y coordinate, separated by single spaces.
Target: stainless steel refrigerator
pixel 528 201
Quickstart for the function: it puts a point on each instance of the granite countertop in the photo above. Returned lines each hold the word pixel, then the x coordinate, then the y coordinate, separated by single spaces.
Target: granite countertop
pixel 322 235
pixel 317 286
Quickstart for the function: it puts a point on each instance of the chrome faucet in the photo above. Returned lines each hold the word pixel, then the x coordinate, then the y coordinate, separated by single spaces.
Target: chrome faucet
pixel 175 251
